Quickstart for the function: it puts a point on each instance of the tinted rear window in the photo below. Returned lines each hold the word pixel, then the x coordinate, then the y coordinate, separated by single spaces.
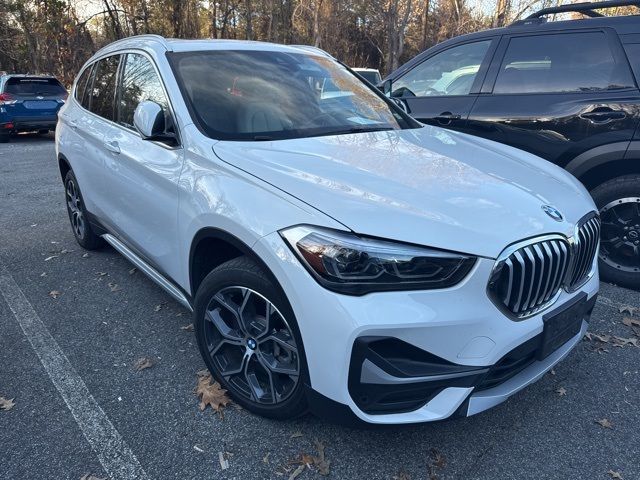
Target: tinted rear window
pixel 32 87
pixel 566 62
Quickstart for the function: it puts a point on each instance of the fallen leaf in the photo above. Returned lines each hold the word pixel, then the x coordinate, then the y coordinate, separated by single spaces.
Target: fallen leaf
pixel 265 459
pixel 91 476
pixel 157 308
pixel 297 434
pixel 65 251
pixel 211 393
pixel 51 257
pixel 6 403
pixel 54 294
pixel 224 461
pixel 628 309
pixel 617 475
pixel 102 274
pixel 597 337
pixel 320 461
pixel 198 449
pixel 187 328
pixel 133 270
pixel 297 472
pixel 437 462
pixel 113 286
pixel 604 423
pixel 561 391
pixel 623 342
pixel 85 255
pixel 143 363
pixel 43 274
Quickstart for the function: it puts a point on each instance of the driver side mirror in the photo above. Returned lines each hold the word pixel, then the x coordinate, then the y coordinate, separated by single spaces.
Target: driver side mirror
pixel 386 87
pixel 149 120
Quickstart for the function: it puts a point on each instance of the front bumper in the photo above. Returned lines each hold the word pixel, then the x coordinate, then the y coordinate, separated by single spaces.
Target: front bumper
pixel 457 332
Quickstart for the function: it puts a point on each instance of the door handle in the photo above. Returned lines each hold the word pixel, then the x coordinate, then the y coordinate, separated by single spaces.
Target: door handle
pixel 445 118
pixel 603 115
pixel 112 146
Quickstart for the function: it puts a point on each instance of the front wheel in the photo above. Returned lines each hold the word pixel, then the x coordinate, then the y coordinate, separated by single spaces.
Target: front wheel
pixel 619 203
pixel 249 339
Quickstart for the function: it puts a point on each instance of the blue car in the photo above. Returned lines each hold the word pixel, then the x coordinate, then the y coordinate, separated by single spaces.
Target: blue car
pixel 29 103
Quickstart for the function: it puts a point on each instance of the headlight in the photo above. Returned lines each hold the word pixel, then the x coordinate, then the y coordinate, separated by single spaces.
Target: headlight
pixel 349 264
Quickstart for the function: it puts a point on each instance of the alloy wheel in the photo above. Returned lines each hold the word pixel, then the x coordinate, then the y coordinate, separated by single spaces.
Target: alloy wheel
pixel 74 204
pixel 620 238
pixel 251 345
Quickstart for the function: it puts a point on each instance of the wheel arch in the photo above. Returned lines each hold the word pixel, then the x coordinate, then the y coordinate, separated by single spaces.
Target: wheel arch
pixel 212 247
pixel 63 165
pixel 605 162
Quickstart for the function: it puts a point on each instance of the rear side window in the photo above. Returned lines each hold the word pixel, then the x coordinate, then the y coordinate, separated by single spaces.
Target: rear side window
pixel 104 87
pixel 81 93
pixel 554 64
pixel 140 82
pixel 34 87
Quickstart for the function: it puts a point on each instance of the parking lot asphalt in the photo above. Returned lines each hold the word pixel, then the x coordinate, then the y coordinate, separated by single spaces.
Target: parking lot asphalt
pixel 81 407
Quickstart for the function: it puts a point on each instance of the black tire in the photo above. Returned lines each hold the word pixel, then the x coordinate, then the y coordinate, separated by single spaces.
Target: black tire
pixel 4 137
pixel 618 201
pixel 80 225
pixel 243 272
pixel 44 131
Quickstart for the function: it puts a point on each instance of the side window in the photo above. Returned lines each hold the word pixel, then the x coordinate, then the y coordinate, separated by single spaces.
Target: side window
pixel 553 64
pixel 451 72
pixel 104 87
pixel 140 82
pixel 81 86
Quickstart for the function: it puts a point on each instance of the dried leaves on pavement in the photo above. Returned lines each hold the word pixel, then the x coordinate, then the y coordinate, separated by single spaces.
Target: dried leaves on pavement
pixel 143 363
pixel 211 393
pixel 6 403
pixel 604 423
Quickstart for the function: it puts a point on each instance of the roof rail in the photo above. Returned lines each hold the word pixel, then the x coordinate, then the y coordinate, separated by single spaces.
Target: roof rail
pixel 586 8
pixel 147 36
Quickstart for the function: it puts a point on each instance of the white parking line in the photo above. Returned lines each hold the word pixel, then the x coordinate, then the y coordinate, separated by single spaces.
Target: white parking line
pixel 115 456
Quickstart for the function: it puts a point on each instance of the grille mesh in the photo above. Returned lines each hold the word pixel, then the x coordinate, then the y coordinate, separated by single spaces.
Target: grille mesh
pixel 529 276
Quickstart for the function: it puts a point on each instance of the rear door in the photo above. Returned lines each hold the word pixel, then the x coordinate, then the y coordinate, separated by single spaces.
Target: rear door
pixel 557 94
pixel 34 99
pixel 442 89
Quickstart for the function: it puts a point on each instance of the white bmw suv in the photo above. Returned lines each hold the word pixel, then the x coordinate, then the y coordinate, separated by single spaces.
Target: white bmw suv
pixel 338 256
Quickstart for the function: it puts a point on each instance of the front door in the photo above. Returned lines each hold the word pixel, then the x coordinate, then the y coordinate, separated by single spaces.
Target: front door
pixel 442 89
pixel 142 175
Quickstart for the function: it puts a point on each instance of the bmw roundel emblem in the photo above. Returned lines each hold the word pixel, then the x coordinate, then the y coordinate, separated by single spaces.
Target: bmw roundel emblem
pixel 553 212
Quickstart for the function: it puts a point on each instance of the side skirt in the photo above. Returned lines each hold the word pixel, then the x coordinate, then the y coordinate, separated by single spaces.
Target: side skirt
pixel 148 270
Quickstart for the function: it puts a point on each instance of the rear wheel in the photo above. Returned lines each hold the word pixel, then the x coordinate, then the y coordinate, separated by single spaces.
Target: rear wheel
pixel 619 203
pixel 249 339
pixel 78 215
pixel 4 137
pixel 43 132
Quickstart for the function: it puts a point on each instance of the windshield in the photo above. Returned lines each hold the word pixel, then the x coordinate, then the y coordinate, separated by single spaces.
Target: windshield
pixel 32 87
pixel 263 95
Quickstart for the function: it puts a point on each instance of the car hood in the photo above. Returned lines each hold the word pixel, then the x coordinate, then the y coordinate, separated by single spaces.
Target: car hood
pixel 427 186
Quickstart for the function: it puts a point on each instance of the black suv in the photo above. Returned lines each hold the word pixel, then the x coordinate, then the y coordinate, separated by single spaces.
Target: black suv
pixel 566 91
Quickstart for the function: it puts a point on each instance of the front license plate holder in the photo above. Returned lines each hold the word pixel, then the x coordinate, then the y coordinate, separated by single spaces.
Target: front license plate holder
pixel 561 325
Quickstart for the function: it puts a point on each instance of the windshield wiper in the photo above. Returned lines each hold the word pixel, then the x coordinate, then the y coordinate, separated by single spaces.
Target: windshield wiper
pixel 353 130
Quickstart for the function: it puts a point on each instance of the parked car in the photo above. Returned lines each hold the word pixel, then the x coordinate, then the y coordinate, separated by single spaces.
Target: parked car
pixel 566 91
pixel 371 75
pixel 337 255
pixel 29 103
